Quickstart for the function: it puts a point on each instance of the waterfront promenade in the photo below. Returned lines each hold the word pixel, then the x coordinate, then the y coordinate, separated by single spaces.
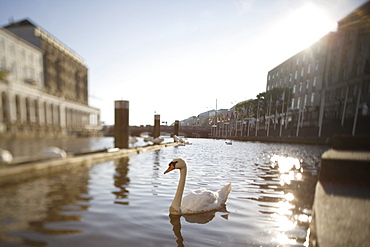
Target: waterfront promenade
pixel 341 215
pixel 15 173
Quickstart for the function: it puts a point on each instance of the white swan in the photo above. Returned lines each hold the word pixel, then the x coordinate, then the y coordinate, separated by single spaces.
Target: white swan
pixel 6 157
pixel 158 140
pixel 53 152
pixel 197 201
pixel 178 139
pixel 148 139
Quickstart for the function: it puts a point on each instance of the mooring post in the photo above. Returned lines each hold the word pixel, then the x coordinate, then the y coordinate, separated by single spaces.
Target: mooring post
pixel 176 129
pixel 157 126
pixel 121 124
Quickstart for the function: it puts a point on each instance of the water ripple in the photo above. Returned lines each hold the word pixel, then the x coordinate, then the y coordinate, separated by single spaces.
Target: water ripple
pixel 126 201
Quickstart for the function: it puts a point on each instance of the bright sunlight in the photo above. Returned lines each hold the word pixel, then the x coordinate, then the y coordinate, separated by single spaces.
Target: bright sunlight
pixel 301 28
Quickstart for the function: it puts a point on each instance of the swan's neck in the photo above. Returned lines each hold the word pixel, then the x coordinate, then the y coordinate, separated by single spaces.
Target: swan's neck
pixel 175 207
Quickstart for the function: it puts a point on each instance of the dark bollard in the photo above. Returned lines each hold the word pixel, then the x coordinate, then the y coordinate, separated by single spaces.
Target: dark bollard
pixel 157 126
pixel 176 130
pixel 121 124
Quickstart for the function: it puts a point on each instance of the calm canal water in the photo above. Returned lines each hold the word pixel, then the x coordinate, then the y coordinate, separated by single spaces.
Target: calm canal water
pixel 125 202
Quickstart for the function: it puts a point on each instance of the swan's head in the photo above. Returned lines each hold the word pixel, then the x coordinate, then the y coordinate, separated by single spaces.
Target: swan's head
pixel 176 164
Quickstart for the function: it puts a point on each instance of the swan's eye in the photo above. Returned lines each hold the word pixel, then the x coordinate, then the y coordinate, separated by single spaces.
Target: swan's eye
pixel 173 163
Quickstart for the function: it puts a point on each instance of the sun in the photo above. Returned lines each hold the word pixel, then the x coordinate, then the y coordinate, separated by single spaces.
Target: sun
pixel 301 28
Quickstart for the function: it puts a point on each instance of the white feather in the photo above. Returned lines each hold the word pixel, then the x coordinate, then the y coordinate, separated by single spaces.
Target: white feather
pixel 197 201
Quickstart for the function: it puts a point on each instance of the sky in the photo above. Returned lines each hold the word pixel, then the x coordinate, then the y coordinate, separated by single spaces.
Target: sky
pixel 178 58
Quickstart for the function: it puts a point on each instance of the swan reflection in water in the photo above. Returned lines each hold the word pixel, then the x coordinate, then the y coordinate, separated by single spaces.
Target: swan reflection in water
pixel 199 206
pixel 201 218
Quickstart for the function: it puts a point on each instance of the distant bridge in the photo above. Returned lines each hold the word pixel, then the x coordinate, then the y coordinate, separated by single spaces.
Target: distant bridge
pixel 186 131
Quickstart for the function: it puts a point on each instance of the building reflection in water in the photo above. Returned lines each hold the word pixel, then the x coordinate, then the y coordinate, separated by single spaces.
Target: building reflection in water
pixel 286 190
pixel 39 205
pixel 156 172
pixel 121 180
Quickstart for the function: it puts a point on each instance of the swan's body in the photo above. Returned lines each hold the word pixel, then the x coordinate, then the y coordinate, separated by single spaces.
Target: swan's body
pixel 148 139
pixel 197 201
pixel 178 139
pixel 6 157
pixel 158 140
pixel 53 152
pixel 133 139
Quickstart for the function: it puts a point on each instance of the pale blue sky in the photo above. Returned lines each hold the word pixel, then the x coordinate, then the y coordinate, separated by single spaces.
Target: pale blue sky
pixel 176 57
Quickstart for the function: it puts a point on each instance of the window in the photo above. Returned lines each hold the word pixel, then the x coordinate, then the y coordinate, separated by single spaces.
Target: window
pixel 318 49
pixel 317 65
pixel 312 97
pixel 307 84
pixel 296 74
pixel 294 88
pixel 292 106
pixel 12 49
pixel 298 102
pixel 32 73
pixel 13 68
pixel 302 72
pixel 290 77
pixel 300 87
pixel 30 58
pixel 2 63
pixel 24 72
pixel 297 62
pixel 314 82
pixel 358 69
pixel 309 69
pixel 2 44
pixel 268 78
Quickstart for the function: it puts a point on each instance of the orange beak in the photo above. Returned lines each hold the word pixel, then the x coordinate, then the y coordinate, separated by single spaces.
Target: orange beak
pixel 170 168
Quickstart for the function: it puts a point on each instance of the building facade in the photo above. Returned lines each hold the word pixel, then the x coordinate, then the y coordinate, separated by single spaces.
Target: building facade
pixel 303 73
pixel 43 86
pixel 346 93
pixel 329 81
